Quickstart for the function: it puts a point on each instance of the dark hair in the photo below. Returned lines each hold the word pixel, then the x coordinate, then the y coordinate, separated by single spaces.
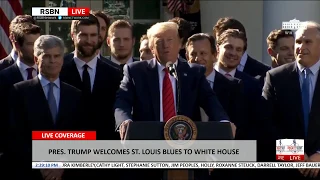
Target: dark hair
pixel 104 16
pixel 21 19
pixel 275 35
pixel 235 33
pixel 203 36
pixel 87 22
pixel 184 28
pixel 227 23
pixel 21 29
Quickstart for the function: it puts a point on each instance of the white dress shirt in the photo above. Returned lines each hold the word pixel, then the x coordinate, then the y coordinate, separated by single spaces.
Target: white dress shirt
pixel 45 86
pixel 221 71
pixel 312 78
pixel 130 60
pixel 243 62
pixel 23 69
pixel 91 69
pixel 161 74
pixel 14 55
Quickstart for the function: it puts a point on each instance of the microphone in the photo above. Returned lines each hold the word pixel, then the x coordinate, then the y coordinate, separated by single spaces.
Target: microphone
pixel 172 69
pixel 173 72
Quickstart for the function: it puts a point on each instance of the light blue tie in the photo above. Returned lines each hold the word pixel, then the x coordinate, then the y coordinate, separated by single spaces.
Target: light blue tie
pixel 305 98
pixel 52 102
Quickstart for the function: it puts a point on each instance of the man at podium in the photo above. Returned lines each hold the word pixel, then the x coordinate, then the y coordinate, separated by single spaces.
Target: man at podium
pixel 165 86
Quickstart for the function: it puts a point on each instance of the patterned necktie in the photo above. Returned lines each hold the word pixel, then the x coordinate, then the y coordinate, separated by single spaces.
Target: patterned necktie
pixel 86 80
pixel 52 102
pixel 227 74
pixel 167 98
pixel 305 94
pixel 30 71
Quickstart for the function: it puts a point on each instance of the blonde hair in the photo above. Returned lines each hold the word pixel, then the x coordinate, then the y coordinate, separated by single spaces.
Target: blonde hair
pixel 160 28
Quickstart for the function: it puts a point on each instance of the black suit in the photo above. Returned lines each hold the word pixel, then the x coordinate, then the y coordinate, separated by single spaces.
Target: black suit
pixel 256 69
pixel 283 111
pixel 99 106
pixel 108 58
pixel 6 62
pixel 30 112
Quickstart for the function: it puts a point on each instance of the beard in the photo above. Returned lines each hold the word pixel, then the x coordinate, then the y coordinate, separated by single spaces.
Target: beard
pixel 85 53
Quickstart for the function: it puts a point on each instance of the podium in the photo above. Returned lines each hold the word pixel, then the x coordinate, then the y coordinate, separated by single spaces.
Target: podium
pixel 150 130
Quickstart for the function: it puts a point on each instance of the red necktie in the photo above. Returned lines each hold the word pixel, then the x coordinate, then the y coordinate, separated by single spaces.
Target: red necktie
pixel 167 98
pixel 30 70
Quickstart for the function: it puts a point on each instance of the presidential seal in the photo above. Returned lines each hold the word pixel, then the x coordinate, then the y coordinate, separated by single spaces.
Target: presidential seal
pixel 180 128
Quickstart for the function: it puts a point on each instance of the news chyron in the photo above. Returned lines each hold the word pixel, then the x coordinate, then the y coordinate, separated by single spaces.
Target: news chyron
pixel 290 149
pixel 60 13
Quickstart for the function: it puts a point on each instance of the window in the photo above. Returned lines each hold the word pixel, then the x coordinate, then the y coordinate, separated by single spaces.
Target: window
pixel 142 14
pixel 61 28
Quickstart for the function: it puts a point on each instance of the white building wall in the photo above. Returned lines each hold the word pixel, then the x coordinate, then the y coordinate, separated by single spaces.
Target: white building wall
pixel 259 18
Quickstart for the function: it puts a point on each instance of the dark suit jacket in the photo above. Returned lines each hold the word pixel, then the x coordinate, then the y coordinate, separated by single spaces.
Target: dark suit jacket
pixel 99 114
pixel 139 93
pixel 30 112
pixel 283 109
pixel 231 96
pixel 256 69
pixel 6 62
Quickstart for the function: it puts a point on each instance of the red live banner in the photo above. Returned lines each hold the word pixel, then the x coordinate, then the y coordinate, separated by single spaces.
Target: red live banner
pixel 63 135
pixel 78 11
pixel 290 157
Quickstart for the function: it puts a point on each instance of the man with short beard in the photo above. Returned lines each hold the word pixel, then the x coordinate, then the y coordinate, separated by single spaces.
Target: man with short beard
pixel 121 41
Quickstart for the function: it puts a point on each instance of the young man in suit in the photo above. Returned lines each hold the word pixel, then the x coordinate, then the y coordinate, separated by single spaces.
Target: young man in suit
pixel 247 64
pixel 41 104
pixel 281 47
pixel 292 100
pixel 121 41
pixel 201 49
pixel 23 69
pixel 12 57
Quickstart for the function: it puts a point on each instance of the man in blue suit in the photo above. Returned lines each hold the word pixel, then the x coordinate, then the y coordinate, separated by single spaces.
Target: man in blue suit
pixel 148 93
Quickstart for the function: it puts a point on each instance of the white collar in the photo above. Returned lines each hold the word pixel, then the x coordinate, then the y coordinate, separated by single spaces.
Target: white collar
pixel 14 55
pixel 23 66
pixel 211 76
pixel 92 64
pixel 314 69
pixel 221 71
pixel 161 67
pixel 244 59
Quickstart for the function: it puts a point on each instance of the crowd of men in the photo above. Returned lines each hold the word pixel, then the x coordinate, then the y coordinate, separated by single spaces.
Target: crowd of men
pixel 42 88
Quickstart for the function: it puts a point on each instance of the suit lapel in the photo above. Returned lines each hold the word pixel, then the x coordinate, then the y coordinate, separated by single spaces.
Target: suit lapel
pixel 315 108
pixel 220 84
pixel 153 83
pixel 98 76
pixel 16 74
pixel 63 103
pixel 296 91
pixel 73 75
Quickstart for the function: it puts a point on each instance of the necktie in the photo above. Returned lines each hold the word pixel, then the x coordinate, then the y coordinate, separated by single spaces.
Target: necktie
pixel 30 71
pixel 122 65
pixel 227 74
pixel 52 102
pixel 167 98
pixel 305 94
pixel 86 80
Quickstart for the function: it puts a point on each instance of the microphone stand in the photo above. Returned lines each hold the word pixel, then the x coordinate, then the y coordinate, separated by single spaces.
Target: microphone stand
pixel 179 91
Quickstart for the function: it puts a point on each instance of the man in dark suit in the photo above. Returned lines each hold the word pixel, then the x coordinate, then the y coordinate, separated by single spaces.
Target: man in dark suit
pixel 41 104
pixel 24 68
pixel 247 64
pixel 12 57
pixel 121 41
pixel 291 97
pixel 201 49
pixel 99 81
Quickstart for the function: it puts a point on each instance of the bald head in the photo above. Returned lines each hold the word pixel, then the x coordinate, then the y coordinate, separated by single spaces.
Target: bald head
pixel 164 41
pixel 307 44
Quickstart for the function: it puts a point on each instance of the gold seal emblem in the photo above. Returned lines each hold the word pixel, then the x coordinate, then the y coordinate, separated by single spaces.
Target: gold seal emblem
pixel 180 128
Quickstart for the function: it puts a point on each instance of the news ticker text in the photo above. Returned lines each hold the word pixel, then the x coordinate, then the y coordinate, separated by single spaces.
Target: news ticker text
pixel 175 165
pixel 60 17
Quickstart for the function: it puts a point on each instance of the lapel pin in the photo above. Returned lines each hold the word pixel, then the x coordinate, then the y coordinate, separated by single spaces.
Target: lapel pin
pixel 185 74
